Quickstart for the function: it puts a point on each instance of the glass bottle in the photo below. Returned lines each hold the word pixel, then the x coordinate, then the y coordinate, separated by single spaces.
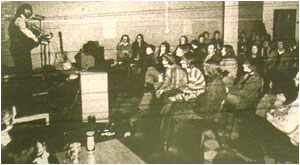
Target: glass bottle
pixel 90 144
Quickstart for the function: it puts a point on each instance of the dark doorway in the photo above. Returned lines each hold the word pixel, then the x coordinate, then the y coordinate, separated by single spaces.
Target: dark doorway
pixel 285 24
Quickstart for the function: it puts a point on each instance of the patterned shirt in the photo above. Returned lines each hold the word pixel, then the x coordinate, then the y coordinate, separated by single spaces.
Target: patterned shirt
pixel 195 85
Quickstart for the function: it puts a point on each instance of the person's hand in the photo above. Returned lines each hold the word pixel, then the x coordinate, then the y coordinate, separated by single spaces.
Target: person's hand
pixel 227 90
pixel 269 117
pixel 271 85
pixel 172 99
pixel 160 78
pixel 159 93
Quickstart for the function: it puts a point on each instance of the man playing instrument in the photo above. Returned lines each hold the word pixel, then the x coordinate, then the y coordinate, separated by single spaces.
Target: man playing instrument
pixel 23 40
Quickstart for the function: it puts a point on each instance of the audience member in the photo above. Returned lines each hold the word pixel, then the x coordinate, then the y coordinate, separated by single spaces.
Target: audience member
pixel 286 117
pixel 229 65
pixel 206 37
pixel 174 82
pixel 202 44
pixel 242 99
pixel 278 69
pixel 183 42
pixel 163 49
pixel 216 40
pixel 196 82
pixel 212 57
pixel 138 49
pixel 124 51
pixel 256 57
pixel 198 54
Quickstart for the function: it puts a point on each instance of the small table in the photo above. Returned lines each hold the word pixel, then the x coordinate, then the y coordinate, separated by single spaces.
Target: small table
pixel 108 152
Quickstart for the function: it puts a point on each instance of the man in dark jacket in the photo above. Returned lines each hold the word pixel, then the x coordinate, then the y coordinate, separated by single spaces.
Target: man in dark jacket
pixel 23 40
pixel 242 99
pixel 278 68
pixel 212 57
pixel 245 94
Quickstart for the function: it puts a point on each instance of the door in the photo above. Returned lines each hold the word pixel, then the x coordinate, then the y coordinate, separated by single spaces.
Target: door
pixel 285 24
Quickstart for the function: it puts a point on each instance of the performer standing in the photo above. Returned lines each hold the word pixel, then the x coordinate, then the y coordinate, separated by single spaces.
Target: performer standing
pixel 23 40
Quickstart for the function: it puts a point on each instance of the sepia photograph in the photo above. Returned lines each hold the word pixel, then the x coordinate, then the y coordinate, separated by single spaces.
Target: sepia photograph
pixel 150 82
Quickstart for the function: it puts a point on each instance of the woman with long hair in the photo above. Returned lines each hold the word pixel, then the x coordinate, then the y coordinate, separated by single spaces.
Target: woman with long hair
pixel 229 65
pixel 124 51
pixel 139 48
pixel 163 49
pixel 183 42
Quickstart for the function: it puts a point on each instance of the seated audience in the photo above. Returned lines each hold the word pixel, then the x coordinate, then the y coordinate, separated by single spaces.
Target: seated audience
pixel 278 68
pixel 196 82
pixel 256 56
pixel 286 117
pixel 211 100
pixel 198 54
pixel 242 99
pixel 206 37
pixel 245 94
pixel 194 87
pixel 216 40
pixel 181 51
pixel 163 49
pixel 212 56
pixel 175 77
pixel 183 42
pixel 175 81
pixel 266 50
pixel 124 51
pixel 229 65
pixel 242 43
pixel 138 49
pixel 202 44
pixel 153 81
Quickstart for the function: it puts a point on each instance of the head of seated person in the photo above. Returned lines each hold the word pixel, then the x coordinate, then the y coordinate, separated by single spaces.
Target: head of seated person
pixel 188 61
pixel 24 151
pixel 206 35
pixel 168 61
pixel 217 35
pixel 249 66
pixel 164 48
pixel 227 51
pixel 182 50
pixel 125 40
pixel 150 49
pixel 183 40
pixel 195 44
pixel 140 39
pixel 201 39
pixel 211 49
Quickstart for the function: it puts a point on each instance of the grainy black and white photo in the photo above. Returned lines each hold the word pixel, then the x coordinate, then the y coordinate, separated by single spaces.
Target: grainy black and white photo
pixel 149 82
